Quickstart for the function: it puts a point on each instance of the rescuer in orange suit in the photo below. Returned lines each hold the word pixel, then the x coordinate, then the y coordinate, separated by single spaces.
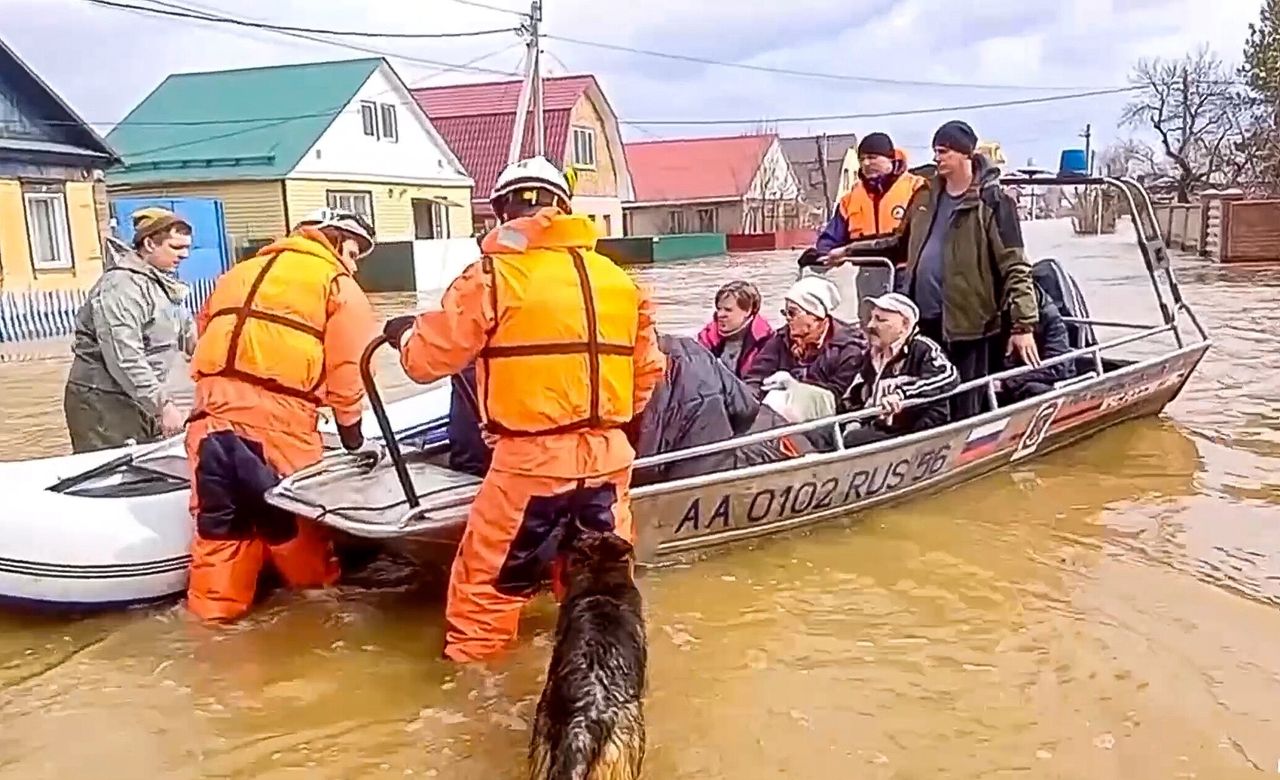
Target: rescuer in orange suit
pixel 280 336
pixel 565 354
pixel 878 200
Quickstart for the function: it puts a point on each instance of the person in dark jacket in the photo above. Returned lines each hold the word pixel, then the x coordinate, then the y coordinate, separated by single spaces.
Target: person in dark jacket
pixel 902 365
pixel 1051 341
pixel 468 451
pixel 700 401
pixel 814 347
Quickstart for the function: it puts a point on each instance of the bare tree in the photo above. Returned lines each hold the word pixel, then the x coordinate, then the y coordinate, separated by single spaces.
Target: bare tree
pixel 1194 107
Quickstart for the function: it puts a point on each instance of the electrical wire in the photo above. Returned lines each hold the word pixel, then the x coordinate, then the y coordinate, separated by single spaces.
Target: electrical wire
pixel 267 26
pixel 810 74
pixel 487 7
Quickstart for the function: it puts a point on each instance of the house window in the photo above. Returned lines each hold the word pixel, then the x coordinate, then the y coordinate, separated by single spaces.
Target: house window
pixel 430 219
pixel 369 118
pixel 707 221
pixel 675 222
pixel 389 130
pixel 584 147
pixel 13 123
pixel 608 224
pixel 47 229
pixel 359 202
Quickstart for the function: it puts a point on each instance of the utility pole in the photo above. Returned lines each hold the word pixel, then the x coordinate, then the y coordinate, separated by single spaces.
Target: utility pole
pixel 822 167
pixel 531 89
pixel 1087 135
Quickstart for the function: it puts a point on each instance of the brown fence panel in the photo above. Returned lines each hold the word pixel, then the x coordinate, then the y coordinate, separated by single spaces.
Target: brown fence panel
pixel 1251 231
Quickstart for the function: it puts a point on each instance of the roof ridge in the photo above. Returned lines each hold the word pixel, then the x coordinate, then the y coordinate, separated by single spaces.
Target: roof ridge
pixel 498 82
pixel 752 136
pixel 282 66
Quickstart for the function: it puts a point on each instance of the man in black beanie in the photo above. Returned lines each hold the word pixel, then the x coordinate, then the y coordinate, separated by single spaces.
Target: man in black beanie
pixel 876 204
pixel 965 265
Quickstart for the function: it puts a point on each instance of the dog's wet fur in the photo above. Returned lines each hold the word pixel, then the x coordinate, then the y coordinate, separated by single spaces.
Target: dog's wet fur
pixel 590 719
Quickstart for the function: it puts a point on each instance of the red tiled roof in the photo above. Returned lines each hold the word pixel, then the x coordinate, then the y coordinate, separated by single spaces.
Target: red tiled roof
pixel 560 93
pixel 476 121
pixel 696 168
pixel 481 143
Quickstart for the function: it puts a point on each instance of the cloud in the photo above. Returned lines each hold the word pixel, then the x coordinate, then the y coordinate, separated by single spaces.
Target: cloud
pixel 1081 43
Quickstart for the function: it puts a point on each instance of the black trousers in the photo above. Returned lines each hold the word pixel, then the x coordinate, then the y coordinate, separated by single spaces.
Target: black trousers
pixel 973 358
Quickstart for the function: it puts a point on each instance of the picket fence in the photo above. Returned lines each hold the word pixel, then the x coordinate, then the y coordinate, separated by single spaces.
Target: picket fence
pixel 32 315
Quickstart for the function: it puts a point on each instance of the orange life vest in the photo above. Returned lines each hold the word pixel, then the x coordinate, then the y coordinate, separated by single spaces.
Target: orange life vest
pixel 561 357
pixel 267 318
pixel 869 216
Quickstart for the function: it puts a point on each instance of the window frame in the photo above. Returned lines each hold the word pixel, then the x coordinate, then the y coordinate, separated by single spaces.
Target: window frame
pixel 56 195
pixel 588 132
pixel 330 197
pixel 370 119
pixel 388 133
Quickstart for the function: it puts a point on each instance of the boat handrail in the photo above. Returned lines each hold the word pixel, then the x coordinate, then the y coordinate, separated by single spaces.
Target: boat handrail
pixel 834 422
pixel 987 382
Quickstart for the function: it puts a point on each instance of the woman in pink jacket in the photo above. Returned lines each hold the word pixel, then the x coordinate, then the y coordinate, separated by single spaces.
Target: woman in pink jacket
pixel 737 330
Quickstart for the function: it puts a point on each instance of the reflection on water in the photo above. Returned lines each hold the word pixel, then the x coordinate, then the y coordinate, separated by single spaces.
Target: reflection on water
pixel 1107 611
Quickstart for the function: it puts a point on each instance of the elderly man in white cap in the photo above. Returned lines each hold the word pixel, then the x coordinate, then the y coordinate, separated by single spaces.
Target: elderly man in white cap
pixel 813 349
pixel 902 366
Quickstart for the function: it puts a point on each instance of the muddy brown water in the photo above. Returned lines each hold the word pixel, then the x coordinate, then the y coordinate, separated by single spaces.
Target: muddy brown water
pixel 1111 610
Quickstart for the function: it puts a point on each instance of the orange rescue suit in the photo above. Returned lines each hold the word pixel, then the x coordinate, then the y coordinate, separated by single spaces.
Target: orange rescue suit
pixel 874 214
pixel 566 354
pixel 281 335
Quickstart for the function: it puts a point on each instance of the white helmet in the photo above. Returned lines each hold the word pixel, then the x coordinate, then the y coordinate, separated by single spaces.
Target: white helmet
pixel 532 173
pixel 346 221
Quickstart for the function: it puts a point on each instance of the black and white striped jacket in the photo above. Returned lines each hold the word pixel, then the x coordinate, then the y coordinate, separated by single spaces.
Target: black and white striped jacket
pixel 920 370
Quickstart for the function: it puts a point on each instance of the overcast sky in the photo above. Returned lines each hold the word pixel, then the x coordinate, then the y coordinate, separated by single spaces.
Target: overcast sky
pixel 104 61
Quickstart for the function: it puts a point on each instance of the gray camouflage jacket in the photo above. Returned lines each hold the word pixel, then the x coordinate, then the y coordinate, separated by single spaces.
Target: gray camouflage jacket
pixel 129 331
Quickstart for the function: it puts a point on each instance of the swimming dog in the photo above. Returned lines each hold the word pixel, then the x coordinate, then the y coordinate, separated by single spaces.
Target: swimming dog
pixel 590 720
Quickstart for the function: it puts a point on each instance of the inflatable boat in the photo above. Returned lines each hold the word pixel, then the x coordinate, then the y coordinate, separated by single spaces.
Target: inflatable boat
pixel 112 529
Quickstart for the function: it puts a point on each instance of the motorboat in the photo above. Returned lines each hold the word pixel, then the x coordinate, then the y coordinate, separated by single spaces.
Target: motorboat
pixel 416 504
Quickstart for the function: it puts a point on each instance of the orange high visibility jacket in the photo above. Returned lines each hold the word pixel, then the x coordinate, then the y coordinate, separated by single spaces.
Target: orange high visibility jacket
pixel 868 215
pixel 567 322
pixel 267 323
pixel 562 334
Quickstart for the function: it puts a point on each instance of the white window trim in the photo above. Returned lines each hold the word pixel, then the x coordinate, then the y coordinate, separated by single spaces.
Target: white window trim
pixel 377 119
pixel 573 136
pixel 331 200
pixel 385 134
pixel 62 231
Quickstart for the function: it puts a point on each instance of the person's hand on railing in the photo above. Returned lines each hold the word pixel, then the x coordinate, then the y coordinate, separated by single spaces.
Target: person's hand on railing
pixel 1024 346
pixel 395 328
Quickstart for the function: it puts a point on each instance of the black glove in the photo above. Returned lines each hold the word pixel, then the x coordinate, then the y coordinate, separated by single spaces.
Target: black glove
pixel 810 257
pixel 395 328
pixel 351 436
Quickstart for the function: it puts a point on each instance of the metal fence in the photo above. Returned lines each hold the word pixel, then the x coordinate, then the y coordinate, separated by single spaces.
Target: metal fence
pixel 32 315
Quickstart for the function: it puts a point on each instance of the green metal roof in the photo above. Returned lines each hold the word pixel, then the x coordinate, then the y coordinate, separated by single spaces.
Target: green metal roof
pixel 255 123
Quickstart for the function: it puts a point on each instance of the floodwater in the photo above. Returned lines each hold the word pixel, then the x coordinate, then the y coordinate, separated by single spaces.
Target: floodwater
pixel 1108 611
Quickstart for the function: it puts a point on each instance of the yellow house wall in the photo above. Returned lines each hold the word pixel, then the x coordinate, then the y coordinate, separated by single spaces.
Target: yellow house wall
pixel 254 210
pixel 16 271
pixel 392 204
pixel 602 181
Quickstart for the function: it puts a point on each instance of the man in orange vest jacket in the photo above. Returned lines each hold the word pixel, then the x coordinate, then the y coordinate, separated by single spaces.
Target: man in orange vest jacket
pixel 280 336
pixel 878 201
pixel 566 355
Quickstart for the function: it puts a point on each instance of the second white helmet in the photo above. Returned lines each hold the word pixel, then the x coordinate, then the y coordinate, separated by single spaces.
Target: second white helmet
pixel 346 221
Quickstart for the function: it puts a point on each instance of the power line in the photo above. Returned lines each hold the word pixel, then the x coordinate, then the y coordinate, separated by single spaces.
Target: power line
pixel 178 14
pixel 808 74
pixel 487 7
pixel 885 114
pixel 211 16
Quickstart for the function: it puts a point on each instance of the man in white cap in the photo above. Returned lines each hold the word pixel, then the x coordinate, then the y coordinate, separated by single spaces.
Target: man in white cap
pixel 902 366
pixel 814 347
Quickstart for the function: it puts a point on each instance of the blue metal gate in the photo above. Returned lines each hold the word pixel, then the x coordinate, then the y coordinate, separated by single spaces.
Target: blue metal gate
pixel 210 254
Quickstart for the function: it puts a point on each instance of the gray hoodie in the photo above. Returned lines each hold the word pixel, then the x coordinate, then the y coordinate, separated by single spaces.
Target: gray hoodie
pixel 130 329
